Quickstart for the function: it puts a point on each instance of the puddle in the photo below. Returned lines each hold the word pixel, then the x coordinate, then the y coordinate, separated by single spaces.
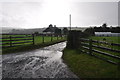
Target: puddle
pixel 40 63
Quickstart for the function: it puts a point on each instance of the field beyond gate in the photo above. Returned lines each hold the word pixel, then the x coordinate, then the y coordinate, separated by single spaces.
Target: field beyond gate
pixel 103 49
pixel 11 42
pixel 89 67
pixel 16 40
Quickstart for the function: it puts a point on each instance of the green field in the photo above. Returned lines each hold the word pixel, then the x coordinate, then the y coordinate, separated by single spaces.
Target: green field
pixel 6 39
pixel 108 39
pixel 38 40
pixel 86 66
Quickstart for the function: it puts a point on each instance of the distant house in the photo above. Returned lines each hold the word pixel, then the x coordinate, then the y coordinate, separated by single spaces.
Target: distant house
pixel 106 34
pixel 50 29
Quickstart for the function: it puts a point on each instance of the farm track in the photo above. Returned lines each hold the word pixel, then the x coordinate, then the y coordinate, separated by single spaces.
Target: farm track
pixel 40 63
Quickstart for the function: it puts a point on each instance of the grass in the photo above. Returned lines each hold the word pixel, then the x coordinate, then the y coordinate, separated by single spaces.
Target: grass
pixel 38 39
pixel 108 39
pixel 29 47
pixel 7 38
pixel 86 66
pixel 38 42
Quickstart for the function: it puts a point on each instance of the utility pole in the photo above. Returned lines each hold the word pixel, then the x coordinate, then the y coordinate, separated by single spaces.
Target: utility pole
pixel 70 22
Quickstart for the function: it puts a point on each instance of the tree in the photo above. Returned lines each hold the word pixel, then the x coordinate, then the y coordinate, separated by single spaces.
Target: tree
pixel 36 33
pixel 104 25
pixel 57 31
pixel 65 31
pixel 89 31
pixel 50 25
pixel 54 25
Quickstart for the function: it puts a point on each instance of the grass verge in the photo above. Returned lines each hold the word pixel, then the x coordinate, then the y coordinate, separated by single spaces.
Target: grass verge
pixel 108 39
pixel 29 47
pixel 86 66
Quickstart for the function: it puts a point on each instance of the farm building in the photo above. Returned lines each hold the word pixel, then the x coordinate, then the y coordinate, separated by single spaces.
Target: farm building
pixel 106 34
pixel 50 29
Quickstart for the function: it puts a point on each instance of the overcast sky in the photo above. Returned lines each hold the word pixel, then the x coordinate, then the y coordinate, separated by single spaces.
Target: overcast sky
pixel 41 13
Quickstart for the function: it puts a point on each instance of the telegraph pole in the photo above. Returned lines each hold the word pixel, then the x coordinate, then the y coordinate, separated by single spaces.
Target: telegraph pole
pixel 70 21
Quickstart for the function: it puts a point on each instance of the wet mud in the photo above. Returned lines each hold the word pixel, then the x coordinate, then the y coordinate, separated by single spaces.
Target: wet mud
pixel 40 63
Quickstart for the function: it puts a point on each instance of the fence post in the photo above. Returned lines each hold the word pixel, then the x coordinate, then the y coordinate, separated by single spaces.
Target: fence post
pixel 98 42
pixel 90 46
pixel 118 65
pixel 51 37
pixel 42 38
pixel 61 36
pixel 73 39
pixel 112 45
pixel 10 41
pixel 57 37
pixel 33 39
pixel 80 45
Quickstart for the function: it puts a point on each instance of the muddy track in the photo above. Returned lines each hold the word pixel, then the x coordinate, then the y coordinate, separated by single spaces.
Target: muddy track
pixel 40 63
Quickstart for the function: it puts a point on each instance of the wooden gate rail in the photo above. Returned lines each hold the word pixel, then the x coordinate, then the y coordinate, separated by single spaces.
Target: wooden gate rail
pixel 118 51
pixel 10 40
pixel 87 44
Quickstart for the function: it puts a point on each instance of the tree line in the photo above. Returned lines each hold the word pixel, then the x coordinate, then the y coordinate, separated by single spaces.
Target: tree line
pixel 91 30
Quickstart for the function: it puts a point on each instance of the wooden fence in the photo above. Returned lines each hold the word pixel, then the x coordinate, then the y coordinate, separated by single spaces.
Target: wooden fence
pixel 12 40
pixel 93 48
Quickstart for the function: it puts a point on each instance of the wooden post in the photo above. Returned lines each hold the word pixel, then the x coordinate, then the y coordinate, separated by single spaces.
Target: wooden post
pixel 98 42
pixel 73 39
pixel 90 46
pixel 61 36
pixel 80 45
pixel 51 37
pixel 42 38
pixel 112 45
pixel 33 38
pixel 57 37
pixel 10 41
pixel 65 37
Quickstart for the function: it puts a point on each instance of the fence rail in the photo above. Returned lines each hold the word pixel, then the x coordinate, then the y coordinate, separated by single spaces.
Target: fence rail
pixel 12 40
pixel 89 46
pixel 118 51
